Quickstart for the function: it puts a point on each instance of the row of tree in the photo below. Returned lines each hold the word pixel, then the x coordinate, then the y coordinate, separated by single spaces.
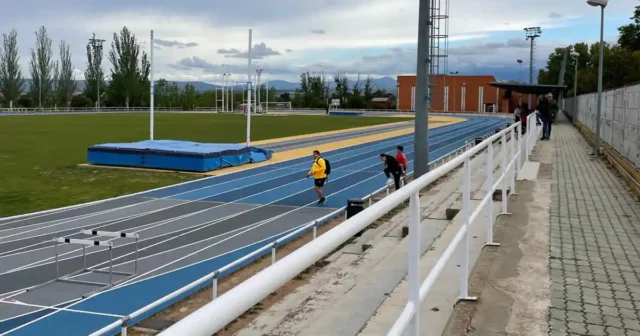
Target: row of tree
pixel 314 92
pixel 53 83
pixel 621 62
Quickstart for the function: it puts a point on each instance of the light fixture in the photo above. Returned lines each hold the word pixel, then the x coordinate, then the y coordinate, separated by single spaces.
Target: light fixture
pixel 598 3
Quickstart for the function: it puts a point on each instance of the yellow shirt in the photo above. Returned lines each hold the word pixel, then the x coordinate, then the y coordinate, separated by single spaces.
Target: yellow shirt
pixel 318 168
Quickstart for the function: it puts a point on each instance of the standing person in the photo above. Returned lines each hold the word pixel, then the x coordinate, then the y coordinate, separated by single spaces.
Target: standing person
pixel 524 117
pixel 517 113
pixel 545 115
pixel 392 167
pixel 318 171
pixel 402 161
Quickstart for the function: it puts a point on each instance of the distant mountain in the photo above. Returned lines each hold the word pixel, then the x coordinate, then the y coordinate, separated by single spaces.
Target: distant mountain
pixel 386 83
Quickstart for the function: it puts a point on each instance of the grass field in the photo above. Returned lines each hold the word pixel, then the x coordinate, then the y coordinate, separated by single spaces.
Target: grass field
pixel 39 154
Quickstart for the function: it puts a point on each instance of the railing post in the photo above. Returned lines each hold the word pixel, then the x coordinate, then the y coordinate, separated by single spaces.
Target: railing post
pixel 514 165
pixel 315 230
pixel 519 131
pixel 505 175
pixel 273 253
pixel 214 286
pixel 414 261
pixel 123 327
pixel 489 187
pixel 466 197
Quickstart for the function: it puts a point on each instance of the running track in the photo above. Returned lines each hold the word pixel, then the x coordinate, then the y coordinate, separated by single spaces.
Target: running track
pixel 186 231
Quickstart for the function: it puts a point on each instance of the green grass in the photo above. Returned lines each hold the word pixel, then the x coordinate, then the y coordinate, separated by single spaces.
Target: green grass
pixel 39 154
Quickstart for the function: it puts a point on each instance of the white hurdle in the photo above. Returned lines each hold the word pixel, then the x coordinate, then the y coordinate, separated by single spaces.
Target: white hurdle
pixel 129 235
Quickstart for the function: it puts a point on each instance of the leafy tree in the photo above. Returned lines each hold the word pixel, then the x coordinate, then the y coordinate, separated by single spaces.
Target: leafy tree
pixel 630 34
pixel 80 101
pixel 342 87
pixel 285 97
pixel 41 65
pixel 312 92
pixel 188 97
pixel 129 74
pixel 94 75
pixel 368 91
pixel 355 100
pixel 66 83
pixel 11 81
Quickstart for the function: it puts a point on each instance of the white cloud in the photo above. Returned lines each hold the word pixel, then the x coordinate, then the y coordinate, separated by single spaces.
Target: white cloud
pixel 213 32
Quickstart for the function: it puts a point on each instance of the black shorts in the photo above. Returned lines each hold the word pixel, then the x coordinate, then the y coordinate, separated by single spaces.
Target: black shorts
pixel 319 182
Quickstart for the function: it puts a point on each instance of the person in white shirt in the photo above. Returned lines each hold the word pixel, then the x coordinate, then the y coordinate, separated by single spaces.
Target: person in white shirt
pixel 517 113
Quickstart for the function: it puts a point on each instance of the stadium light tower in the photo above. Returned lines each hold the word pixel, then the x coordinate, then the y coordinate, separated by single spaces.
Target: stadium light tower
pixel 532 34
pixel 96 46
pixel 602 4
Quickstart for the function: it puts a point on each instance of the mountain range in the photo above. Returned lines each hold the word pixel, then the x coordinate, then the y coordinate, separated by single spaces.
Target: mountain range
pixel 386 83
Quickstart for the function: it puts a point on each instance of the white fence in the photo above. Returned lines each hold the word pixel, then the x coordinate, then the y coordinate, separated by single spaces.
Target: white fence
pixel 619 119
pixel 214 276
pixel 224 309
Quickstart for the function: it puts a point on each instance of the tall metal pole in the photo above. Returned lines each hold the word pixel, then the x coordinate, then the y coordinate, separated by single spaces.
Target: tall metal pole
pixel 575 94
pixel 267 105
pixel 151 89
pixel 224 76
pixel 258 73
pixel 596 148
pixel 421 135
pixel 530 71
pixel 249 94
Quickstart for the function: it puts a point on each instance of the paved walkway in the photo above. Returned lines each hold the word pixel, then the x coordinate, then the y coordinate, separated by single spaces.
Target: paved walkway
pixel 594 260
pixel 568 263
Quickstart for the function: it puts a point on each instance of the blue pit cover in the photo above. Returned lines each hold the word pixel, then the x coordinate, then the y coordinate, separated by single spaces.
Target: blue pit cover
pixel 175 155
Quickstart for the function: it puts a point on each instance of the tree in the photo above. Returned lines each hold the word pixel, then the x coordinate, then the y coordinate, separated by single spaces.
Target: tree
pixel 94 75
pixel 41 65
pixel 189 97
pixel 630 34
pixel 80 101
pixel 342 87
pixel 11 81
pixel 128 74
pixel 312 91
pixel 355 99
pixel 368 91
pixel 66 83
pixel 285 97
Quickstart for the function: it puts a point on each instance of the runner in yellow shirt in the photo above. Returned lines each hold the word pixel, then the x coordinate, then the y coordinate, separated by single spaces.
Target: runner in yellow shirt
pixel 318 171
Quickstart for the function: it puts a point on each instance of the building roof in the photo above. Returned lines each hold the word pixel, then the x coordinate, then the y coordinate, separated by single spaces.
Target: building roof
pixel 380 99
pixel 537 89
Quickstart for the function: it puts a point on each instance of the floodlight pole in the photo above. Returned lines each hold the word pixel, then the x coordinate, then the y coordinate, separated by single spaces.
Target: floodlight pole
pixel 249 93
pixel 258 73
pixel 151 89
pixel 596 149
pixel 266 108
pixel 421 134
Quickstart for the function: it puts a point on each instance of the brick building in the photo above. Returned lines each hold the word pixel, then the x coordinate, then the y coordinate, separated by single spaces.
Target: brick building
pixel 460 94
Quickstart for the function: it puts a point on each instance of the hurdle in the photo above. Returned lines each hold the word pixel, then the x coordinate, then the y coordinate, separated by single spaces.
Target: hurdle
pixel 84 243
pixel 129 235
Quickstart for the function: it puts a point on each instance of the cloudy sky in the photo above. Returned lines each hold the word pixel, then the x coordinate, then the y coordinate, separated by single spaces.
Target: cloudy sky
pixel 199 39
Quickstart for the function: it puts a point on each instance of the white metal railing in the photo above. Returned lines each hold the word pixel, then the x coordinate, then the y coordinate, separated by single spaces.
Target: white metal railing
pixel 224 309
pixel 214 276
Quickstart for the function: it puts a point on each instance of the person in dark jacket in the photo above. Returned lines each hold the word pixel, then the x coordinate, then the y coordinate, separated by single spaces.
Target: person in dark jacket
pixel 392 167
pixel 545 115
